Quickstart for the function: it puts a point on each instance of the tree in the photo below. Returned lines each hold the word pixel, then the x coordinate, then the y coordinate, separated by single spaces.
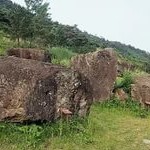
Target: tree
pixel 18 19
pixel 33 5
pixel 40 23
pixel 4 21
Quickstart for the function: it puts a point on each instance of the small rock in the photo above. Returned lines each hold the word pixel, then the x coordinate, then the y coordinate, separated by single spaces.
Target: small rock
pixel 121 95
pixel 146 141
pixel 123 66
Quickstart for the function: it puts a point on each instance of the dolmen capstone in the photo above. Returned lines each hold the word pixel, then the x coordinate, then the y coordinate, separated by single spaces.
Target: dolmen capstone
pixel 32 90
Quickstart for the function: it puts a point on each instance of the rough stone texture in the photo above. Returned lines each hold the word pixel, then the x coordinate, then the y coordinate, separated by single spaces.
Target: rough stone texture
pixel 124 66
pixel 120 94
pixel 100 68
pixel 27 53
pixel 35 91
pixel 140 90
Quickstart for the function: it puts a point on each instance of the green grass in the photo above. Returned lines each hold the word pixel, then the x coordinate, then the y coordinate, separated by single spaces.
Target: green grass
pixel 61 56
pixel 110 126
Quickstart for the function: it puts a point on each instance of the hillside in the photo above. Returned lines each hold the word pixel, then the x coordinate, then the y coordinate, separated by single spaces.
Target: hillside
pixel 55 34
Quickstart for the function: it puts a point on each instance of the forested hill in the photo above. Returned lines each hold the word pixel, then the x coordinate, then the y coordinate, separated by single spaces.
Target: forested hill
pixel 127 51
pixel 36 26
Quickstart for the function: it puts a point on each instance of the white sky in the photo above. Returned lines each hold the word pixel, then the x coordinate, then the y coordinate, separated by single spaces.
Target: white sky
pixel 127 21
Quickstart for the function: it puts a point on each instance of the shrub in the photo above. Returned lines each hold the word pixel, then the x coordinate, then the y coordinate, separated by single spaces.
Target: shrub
pixel 125 82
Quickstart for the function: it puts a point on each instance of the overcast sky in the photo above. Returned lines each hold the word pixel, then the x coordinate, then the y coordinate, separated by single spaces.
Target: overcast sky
pixel 127 21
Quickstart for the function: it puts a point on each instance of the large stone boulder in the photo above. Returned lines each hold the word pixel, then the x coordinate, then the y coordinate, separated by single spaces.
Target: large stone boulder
pixel 36 91
pixel 100 68
pixel 140 90
pixel 28 53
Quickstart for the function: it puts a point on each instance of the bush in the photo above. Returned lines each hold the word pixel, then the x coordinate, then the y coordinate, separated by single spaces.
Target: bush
pixel 125 82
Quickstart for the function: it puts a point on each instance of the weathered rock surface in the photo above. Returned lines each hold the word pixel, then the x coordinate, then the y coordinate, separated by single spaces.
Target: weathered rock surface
pixel 140 90
pixel 100 68
pixel 36 91
pixel 121 94
pixel 28 53
pixel 123 66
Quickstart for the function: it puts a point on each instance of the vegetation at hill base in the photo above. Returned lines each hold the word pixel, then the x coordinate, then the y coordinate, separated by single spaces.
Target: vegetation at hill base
pixel 33 27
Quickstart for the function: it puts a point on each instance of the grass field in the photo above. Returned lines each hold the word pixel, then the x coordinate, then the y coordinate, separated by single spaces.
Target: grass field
pixel 107 128
pixel 61 56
